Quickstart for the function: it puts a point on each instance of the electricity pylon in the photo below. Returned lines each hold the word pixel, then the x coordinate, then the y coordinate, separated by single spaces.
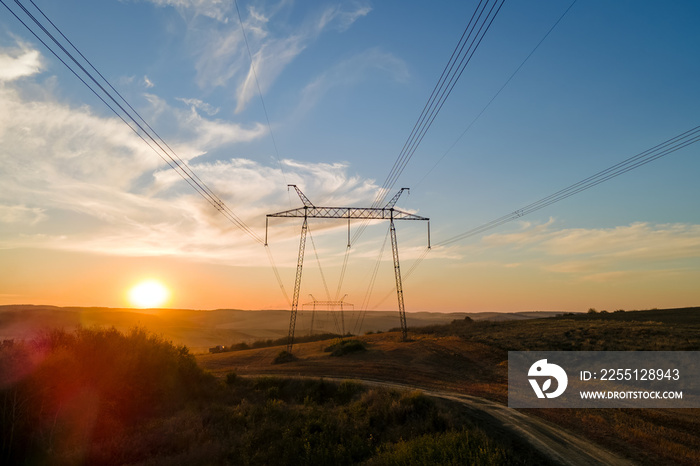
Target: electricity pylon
pixel 329 305
pixel 388 212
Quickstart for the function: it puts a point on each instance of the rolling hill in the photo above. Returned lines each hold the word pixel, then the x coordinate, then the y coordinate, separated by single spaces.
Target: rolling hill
pixel 200 330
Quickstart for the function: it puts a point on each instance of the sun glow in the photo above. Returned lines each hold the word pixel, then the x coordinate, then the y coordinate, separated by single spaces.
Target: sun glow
pixel 148 294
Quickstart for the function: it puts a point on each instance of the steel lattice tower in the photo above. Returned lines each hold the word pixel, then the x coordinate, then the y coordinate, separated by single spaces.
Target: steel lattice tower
pixel 388 212
pixel 330 305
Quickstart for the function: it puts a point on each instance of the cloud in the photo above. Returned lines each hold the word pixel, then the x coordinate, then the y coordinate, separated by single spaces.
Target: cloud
pixel 21 214
pixel 597 254
pixel 215 9
pixel 342 19
pixel 74 180
pixel 196 134
pixel 222 53
pixel 638 240
pixel 267 64
pixel 147 82
pixel 351 71
pixel 19 62
pixel 196 104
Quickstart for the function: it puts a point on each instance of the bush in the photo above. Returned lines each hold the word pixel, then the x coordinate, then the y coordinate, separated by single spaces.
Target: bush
pixel 284 357
pixel 345 347
pixel 283 341
pixel 63 388
pixel 449 448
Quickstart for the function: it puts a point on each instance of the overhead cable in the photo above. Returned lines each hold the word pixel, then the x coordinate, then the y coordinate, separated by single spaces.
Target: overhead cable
pixel 660 150
pixel 471 37
pixel 483 110
pixel 257 84
pixel 481 20
pixel 121 108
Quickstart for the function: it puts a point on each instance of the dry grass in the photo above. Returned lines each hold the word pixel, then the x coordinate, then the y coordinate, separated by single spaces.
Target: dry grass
pixel 471 358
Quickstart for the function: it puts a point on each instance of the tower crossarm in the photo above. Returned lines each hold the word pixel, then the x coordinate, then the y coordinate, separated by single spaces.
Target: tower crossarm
pixel 349 212
pixel 309 210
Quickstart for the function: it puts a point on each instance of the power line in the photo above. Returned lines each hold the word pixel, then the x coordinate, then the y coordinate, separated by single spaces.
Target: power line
pixel 130 117
pixel 445 88
pixel 320 269
pixel 461 56
pixel 257 84
pixel 105 92
pixel 480 22
pixel 370 287
pixel 425 175
pixel 660 150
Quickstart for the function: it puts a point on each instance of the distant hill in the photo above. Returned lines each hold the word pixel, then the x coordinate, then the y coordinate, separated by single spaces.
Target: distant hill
pixel 202 329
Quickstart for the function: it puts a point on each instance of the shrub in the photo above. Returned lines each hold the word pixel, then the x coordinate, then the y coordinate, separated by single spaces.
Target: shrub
pixel 63 388
pixel 345 347
pixel 284 357
pixel 449 448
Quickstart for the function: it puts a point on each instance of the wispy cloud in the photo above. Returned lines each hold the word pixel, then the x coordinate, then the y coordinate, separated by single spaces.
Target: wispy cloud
pixel 597 254
pixel 639 240
pixel 343 18
pixel 197 104
pixel 351 71
pixel 197 134
pixel 215 9
pixel 221 53
pixel 92 185
pixel 21 214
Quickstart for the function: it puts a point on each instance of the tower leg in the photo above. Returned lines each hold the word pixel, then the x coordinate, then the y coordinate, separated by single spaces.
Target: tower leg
pixel 399 287
pixel 297 286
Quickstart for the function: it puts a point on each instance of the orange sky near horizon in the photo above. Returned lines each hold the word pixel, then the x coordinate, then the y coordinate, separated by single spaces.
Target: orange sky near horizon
pixel 66 278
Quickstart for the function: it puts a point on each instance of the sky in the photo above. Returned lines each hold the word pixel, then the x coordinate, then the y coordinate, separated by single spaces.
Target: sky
pixel 324 96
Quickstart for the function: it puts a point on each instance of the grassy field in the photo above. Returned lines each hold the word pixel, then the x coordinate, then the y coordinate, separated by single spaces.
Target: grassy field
pixel 99 396
pixel 471 357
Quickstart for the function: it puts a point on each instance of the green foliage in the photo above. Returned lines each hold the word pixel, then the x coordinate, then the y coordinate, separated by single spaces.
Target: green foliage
pixel 448 448
pixel 97 396
pixel 64 388
pixel 654 330
pixel 282 341
pixel 344 347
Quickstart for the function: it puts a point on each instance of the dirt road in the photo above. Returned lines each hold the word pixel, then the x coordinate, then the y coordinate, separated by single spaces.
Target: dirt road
pixel 444 368
pixel 560 446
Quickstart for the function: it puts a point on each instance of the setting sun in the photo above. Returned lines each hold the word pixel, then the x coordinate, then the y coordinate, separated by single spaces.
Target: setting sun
pixel 148 294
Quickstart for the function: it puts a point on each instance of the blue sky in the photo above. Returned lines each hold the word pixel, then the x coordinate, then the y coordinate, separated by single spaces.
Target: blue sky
pixel 343 83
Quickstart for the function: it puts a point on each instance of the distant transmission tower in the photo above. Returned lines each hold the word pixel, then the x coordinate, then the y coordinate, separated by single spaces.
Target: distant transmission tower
pixel 329 306
pixel 388 212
